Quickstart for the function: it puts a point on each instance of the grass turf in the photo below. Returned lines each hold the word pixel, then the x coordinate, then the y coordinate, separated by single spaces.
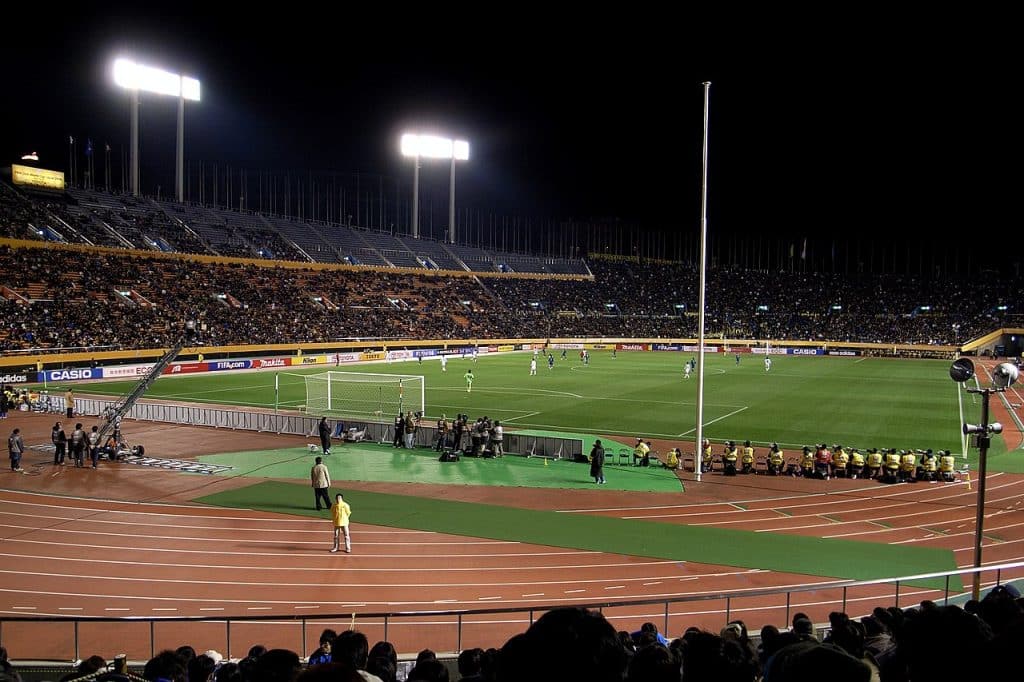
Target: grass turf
pixel 370 462
pixel 774 551
pixel 861 402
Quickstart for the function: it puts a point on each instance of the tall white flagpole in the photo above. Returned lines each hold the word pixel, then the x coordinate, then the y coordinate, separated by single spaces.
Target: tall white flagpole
pixel 703 267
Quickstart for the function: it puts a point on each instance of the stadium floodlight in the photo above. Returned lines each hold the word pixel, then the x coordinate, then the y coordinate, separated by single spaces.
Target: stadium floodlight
pixel 136 77
pixel 433 147
pixel 1003 376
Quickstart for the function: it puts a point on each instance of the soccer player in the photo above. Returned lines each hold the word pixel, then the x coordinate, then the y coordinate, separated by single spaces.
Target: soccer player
pixel 767 364
pixel 444 363
pixel 563 353
pixel 737 359
pixel 686 370
pixel 468 376
pixel 551 360
pixel 533 367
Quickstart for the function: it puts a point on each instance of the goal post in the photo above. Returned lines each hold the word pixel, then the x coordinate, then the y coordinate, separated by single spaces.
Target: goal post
pixel 361 394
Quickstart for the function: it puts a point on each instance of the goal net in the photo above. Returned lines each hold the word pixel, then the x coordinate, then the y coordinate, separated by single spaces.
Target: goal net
pixel 359 394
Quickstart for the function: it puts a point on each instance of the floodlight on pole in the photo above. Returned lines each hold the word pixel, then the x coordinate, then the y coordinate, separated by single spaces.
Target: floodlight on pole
pixel 1003 376
pixel 433 147
pixel 137 77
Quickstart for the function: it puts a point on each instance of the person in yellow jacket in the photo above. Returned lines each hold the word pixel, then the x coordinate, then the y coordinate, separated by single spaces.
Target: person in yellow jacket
pixel 729 459
pixel 840 461
pixel 776 460
pixel 807 462
pixel 747 458
pixel 671 459
pixel 340 513
pixel 892 467
pixel 874 463
pixel 928 467
pixel 947 466
pixel 908 465
pixel 856 463
pixel 705 456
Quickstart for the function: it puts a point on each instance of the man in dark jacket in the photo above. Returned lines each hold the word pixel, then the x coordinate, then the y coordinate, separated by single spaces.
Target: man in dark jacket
pixel 324 429
pixel 597 462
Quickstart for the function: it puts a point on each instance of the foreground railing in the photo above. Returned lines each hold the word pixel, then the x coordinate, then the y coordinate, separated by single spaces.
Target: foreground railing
pixel 70 637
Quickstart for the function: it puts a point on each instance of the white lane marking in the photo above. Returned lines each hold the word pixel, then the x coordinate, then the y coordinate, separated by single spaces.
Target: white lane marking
pixel 352 585
pixel 373 569
pixel 534 594
pixel 80 532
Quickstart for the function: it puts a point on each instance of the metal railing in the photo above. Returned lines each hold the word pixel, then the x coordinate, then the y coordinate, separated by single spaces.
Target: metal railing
pixel 451 625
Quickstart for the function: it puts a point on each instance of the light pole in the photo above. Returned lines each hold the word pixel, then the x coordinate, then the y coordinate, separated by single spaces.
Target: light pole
pixel 135 77
pixel 433 147
pixel 1003 376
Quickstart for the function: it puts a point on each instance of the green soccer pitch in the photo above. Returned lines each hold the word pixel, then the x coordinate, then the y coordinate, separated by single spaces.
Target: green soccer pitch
pixel 858 402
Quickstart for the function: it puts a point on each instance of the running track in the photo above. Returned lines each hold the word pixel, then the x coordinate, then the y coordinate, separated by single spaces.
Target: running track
pixel 83 556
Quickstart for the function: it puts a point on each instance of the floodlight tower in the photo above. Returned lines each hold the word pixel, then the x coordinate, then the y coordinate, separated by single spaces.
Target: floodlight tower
pixel 1002 377
pixel 135 77
pixel 433 147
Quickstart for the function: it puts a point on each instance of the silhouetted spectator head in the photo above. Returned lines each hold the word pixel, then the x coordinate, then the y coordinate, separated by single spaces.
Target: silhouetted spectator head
pixel 653 664
pixel 330 672
pixel 166 665
pixel 803 628
pixel 186 652
pixel 91 665
pixel 256 650
pixel 564 644
pixel 277 665
pixel 382 667
pixel 425 655
pixel 469 662
pixel 428 670
pixel 200 668
pixel 228 672
pixel 383 649
pixel 811 661
pixel 352 647
pixel 921 639
pixel 710 658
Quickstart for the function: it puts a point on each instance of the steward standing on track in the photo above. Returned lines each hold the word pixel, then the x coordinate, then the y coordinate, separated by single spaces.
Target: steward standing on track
pixel 321 481
pixel 324 429
pixel 597 463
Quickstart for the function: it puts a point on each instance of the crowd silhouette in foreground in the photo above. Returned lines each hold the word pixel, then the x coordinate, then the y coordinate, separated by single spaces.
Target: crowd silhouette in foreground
pixel 926 643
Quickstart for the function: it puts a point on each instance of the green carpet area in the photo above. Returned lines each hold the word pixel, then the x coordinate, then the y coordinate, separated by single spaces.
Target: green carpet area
pixel 775 551
pixel 372 462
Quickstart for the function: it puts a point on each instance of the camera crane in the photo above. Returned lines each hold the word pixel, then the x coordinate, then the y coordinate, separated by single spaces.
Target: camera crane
pixel 113 414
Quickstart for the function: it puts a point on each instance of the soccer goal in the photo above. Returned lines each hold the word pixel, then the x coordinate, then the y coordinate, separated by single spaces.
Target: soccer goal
pixel 360 394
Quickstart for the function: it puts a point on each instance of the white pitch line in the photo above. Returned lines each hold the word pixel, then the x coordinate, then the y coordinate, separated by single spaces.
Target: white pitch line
pixel 529 414
pixel 724 416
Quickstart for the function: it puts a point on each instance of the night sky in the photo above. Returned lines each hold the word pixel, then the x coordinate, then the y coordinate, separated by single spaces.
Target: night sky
pixel 818 124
